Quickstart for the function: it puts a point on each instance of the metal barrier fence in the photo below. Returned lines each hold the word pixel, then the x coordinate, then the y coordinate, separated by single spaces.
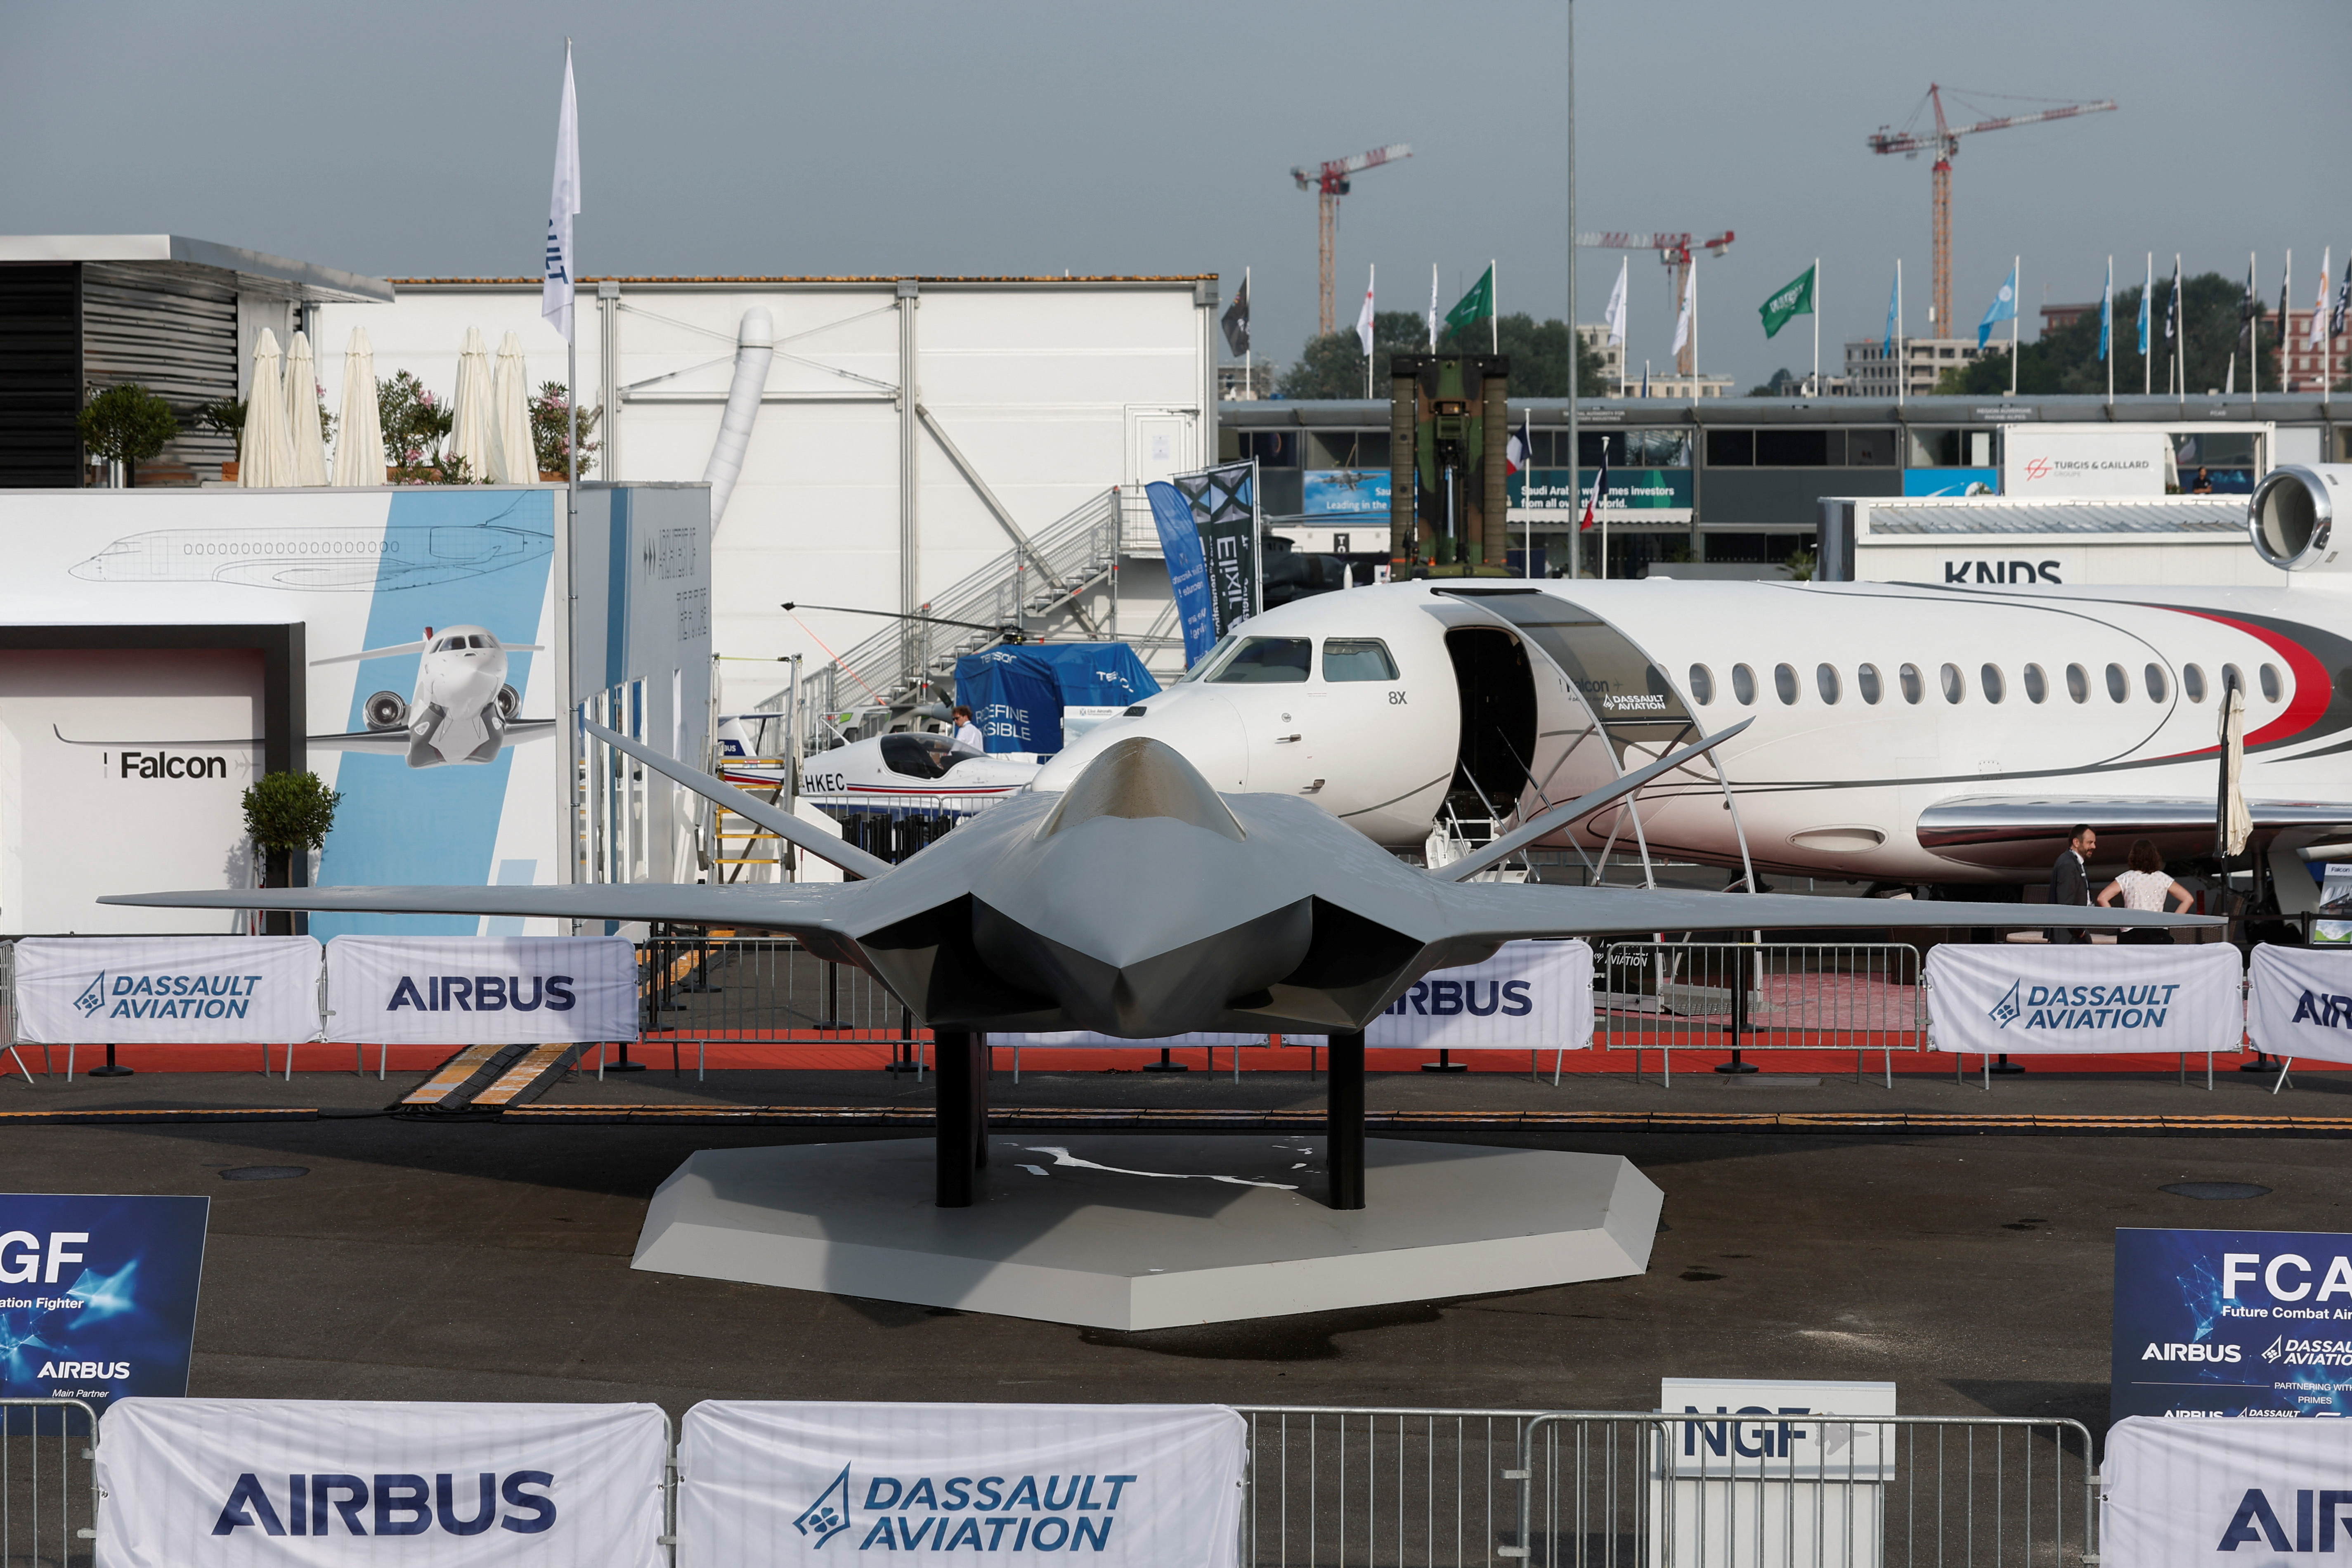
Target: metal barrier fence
pixel 704 990
pixel 49 1485
pixel 1758 995
pixel 1733 1490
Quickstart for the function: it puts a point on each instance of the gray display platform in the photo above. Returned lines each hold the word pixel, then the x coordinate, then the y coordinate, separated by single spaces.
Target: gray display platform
pixel 1146 1232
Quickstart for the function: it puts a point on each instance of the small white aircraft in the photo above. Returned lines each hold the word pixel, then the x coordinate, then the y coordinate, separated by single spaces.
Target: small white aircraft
pixel 1903 733
pixel 909 769
pixel 461 711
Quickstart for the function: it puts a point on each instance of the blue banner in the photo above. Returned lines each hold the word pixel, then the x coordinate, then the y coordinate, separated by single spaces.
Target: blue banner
pixel 1188 567
pixel 1347 492
pixel 97 1294
pixel 2231 1323
pixel 1951 481
pixel 1014 699
pixel 1095 674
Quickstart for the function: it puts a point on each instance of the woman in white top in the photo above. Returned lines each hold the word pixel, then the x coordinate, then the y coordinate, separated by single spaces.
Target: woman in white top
pixel 2145 887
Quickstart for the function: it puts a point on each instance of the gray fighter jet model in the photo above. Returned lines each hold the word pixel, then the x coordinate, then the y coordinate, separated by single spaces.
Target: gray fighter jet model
pixel 1142 904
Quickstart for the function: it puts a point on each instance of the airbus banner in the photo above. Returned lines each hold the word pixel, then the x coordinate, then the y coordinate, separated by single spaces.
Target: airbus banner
pixel 2299 1001
pixel 507 991
pixel 2078 998
pixel 2231 1323
pixel 1531 995
pixel 166 990
pixel 97 1294
pixel 238 1483
pixel 2181 1492
pixel 1120 1486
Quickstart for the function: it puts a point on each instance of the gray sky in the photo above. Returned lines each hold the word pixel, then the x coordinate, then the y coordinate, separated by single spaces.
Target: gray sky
pixel 1032 135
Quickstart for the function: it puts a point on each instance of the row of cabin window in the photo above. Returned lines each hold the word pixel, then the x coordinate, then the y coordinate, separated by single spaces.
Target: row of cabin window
pixel 1280 661
pixel 1989 680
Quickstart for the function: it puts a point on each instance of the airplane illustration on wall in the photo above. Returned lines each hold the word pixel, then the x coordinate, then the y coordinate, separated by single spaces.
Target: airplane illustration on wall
pixel 461 709
pixel 314 559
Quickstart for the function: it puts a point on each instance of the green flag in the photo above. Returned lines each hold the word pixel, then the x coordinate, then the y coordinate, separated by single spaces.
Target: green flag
pixel 1475 306
pixel 1796 299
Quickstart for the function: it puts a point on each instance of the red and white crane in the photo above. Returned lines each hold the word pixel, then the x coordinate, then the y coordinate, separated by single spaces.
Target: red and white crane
pixel 1329 182
pixel 1943 141
pixel 1674 250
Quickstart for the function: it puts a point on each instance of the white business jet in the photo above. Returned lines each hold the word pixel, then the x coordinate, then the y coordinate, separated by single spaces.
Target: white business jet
pixel 912 769
pixel 1903 733
pixel 461 709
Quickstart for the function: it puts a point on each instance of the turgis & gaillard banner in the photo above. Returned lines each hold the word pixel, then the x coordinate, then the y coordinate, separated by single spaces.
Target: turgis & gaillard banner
pixel 513 990
pixel 2232 1322
pixel 2176 1493
pixel 2299 1001
pixel 1224 513
pixel 172 990
pixel 229 1483
pixel 1530 995
pixel 1121 1486
pixel 2082 997
pixel 97 1294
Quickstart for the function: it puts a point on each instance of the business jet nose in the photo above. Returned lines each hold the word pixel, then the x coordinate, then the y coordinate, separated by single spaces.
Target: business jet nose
pixel 1198 724
pixel 1111 915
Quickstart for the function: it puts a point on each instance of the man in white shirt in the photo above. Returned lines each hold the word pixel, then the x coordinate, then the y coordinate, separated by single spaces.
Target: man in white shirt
pixel 966 732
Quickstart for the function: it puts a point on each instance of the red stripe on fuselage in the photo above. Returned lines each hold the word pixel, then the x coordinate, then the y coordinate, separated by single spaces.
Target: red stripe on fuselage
pixel 2313 689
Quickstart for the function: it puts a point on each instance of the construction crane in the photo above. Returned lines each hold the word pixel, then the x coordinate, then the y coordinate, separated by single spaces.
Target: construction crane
pixel 1330 183
pixel 1674 250
pixel 1943 141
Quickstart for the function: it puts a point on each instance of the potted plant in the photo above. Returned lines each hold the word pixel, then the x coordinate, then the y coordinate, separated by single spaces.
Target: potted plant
pixel 226 418
pixel 414 424
pixel 126 424
pixel 287 814
pixel 551 432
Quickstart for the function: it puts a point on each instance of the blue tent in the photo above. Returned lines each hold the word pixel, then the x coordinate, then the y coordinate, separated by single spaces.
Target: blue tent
pixel 1095 674
pixel 1013 698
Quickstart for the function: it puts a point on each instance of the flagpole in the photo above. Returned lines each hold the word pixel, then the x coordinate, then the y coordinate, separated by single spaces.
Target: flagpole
pixel 567 697
pixel 2107 328
pixel 2016 313
pixel 1901 367
pixel 2179 338
pixel 2286 295
pixel 1495 308
pixel 1816 389
pixel 2253 334
pixel 1575 440
pixel 1249 354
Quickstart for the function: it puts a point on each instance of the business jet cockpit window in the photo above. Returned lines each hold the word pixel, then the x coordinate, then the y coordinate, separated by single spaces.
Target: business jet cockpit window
pixel 1266 661
pixel 1357 658
pixel 924 756
pixel 456 644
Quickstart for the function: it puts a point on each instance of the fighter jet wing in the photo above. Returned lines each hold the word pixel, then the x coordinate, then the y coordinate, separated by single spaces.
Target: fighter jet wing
pixel 817 914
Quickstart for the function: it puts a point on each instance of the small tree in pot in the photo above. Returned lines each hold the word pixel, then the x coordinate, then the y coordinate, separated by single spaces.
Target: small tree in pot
pixel 287 814
pixel 126 424
pixel 226 418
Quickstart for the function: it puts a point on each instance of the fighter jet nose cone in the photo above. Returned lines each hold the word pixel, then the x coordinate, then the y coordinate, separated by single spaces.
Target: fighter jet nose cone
pixel 1140 777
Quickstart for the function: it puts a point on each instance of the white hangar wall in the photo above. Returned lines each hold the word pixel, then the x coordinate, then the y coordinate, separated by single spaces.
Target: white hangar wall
pixel 1054 390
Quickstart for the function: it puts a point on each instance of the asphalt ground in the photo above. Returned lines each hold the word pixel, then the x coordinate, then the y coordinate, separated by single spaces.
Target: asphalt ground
pixel 455 1259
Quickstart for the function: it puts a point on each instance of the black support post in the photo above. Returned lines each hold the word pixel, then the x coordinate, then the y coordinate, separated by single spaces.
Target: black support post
pixel 958 1117
pixel 983 1068
pixel 1344 1134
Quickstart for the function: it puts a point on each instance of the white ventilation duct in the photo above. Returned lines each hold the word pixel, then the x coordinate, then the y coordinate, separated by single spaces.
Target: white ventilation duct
pixel 754 348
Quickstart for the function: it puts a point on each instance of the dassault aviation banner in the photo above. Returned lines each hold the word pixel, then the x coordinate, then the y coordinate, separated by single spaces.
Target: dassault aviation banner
pixel 166 990
pixel 239 1483
pixel 1118 1486
pixel 2299 1003
pixel 2083 997
pixel 2182 1492
pixel 509 990
pixel 1531 995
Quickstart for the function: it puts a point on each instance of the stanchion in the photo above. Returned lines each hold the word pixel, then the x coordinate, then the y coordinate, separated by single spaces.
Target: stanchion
pixel 1445 1063
pixel 2004 1068
pixel 902 1050
pixel 832 1019
pixel 2261 1063
pixel 624 1064
pixel 1738 1022
pixel 1164 1064
pixel 112 1070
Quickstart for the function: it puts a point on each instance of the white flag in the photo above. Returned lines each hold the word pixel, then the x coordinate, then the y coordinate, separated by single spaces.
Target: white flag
pixel 555 295
pixel 1364 317
pixel 2318 337
pixel 1615 315
pixel 1690 309
pixel 1433 307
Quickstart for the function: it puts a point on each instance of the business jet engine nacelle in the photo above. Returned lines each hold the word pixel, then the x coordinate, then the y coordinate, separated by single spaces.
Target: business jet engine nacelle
pixel 2291 515
pixel 386 710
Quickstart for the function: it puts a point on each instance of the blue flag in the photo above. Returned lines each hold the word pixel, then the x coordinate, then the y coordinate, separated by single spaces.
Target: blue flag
pixel 2145 289
pixel 1894 314
pixel 2004 306
pixel 1188 567
pixel 2107 311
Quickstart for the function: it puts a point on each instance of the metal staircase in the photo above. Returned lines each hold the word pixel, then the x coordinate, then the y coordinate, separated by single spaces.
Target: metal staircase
pixel 1039 586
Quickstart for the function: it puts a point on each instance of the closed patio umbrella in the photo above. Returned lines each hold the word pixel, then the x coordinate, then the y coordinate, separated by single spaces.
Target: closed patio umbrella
pixel 359 434
pixel 517 463
pixel 469 436
pixel 302 413
pixel 265 458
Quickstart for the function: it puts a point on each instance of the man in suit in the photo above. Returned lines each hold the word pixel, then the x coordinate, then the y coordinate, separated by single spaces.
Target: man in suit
pixel 2070 877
